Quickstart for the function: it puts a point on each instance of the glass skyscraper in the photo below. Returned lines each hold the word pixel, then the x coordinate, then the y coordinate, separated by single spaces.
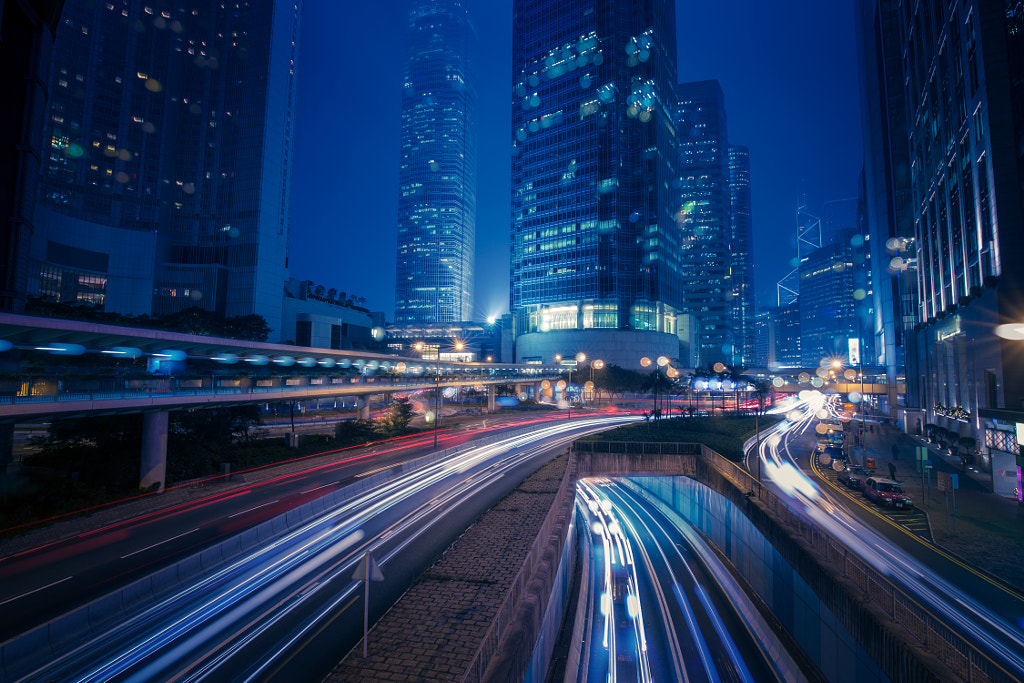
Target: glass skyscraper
pixel 595 233
pixel 167 181
pixel 741 242
pixel 944 130
pixel 437 177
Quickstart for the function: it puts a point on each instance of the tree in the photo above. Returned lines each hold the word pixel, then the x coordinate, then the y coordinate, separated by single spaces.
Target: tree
pixel 103 452
pixel 252 327
pixel 331 293
pixel 193 320
pixel 199 440
pixel 319 290
pixel 395 420
pixel 619 380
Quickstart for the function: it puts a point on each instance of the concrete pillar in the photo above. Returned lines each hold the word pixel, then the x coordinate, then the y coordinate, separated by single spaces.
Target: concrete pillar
pixel 492 391
pixel 364 410
pixel 6 445
pixel 154 450
pixel 537 389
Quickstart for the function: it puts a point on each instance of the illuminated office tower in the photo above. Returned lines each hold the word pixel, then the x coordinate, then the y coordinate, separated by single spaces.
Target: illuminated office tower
pixel 437 176
pixel 741 244
pixel 944 130
pixel 167 182
pixel 595 240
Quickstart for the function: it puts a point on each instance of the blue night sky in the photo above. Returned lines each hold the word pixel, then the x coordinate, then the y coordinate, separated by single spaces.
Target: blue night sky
pixel 791 93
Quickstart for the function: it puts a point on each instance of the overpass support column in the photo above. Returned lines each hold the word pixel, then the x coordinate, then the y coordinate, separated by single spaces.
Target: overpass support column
pixel 364 409
pixel 492 391
pixel 154 450
pixel 537 388
pixel 6 446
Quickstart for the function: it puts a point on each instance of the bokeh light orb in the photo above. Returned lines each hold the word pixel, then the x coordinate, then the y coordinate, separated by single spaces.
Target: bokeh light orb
pixel 1011 331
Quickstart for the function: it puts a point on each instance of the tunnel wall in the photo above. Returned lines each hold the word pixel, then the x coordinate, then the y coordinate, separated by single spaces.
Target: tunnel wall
pixel 828 644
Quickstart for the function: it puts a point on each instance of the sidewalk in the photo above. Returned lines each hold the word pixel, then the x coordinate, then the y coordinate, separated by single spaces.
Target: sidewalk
pixel 989 528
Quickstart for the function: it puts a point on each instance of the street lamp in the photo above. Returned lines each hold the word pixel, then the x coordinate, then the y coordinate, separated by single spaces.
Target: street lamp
pixel 596 364
pixel 437 397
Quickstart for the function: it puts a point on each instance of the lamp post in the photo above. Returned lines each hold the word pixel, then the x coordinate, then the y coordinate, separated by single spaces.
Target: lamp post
pixel 437 397
pixel 596 364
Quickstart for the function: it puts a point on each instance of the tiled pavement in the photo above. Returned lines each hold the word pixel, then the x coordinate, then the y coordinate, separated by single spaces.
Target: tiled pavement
pixel 432 633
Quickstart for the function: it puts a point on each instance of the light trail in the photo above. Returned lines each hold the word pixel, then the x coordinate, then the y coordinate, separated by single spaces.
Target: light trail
pixel 192 633
pixel 989 631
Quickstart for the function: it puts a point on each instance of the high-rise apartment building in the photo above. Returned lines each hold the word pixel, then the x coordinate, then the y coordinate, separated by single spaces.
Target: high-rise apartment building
pixel 944 125
pixel 167 177
pixel 437 176
pixel 596 230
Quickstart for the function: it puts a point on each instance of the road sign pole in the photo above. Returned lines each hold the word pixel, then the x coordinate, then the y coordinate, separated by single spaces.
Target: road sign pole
pixel 366 606
pixel 947 513
pixel 367 571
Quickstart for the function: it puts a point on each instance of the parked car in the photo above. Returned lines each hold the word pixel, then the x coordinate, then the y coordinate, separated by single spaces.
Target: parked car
pixel 853 476
pixel 886 492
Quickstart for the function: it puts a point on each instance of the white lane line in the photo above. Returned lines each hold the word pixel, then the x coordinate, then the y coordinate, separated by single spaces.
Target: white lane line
pixel 255 508
pixel 315 488
pixel 36 590
pixel 166 540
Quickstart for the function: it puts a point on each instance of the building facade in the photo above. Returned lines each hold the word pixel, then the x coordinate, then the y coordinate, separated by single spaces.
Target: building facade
pixel 741 244
pixel 596 236
pixel 437 174
pixel 832 284
pixel 961 127
pixel 705 214
pixel 173 122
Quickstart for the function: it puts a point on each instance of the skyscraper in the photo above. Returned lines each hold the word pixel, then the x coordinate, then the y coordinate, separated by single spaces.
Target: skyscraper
pixel 741 242
pixel 957 127
pixel 168 177
pixel 437 176
pixel 595 238
pixel 705 201
pixel 832 282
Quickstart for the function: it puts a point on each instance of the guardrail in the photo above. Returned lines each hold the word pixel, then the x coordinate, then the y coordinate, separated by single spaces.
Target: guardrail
pixel 933 633
pixel 352 386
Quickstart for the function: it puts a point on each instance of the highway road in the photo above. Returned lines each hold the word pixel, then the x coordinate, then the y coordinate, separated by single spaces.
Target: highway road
pixel 662 607
pixel 985 612
pixel 267 615
pixel 40 583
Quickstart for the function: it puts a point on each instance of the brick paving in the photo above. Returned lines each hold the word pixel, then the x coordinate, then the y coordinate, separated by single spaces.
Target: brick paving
pixel 433 631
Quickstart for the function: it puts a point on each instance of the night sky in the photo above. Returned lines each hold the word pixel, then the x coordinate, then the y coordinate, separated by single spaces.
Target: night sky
pixel 791 94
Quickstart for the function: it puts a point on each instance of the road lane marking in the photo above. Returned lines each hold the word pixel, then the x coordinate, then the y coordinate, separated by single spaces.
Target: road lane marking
pixel 255 508
pixel 16 597
pixel 315 488
pixel 166 540
pixel 992 580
